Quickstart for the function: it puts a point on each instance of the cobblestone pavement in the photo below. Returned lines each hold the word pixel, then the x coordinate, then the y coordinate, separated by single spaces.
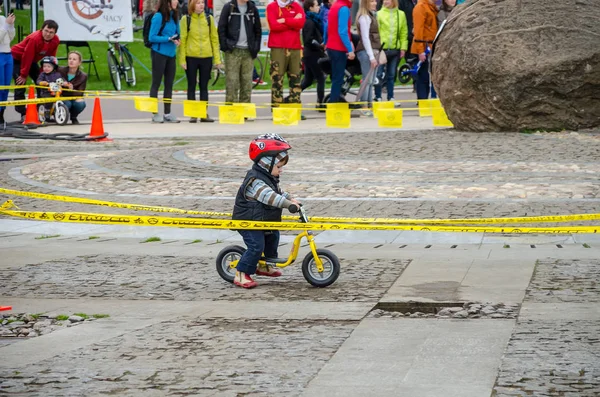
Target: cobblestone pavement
pixel 432 174
pixel 557 357
pixel 427 174
pixel 188 278
pixel 190 357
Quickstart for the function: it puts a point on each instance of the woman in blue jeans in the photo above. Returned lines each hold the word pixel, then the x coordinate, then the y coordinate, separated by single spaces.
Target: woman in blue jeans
pixel 365 50
pixel 76 82
pixel 393 30
pixel 7 34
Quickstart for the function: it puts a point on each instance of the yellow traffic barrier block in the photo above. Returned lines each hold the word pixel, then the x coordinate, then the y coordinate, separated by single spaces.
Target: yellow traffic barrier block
pixel 231 114
pixel 286 116
pixel 249 110
pixel 337 117
pixel 440 118
pixel 390 118
pixel 338 105
pixel 195 109
pixel 377 106
pixel 425 107
pixel 146 104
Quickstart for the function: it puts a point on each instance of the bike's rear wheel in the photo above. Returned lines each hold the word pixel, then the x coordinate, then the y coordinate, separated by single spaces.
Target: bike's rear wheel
pixel 129 69
pixel 224 259
pixel 331 268
pixel 113 69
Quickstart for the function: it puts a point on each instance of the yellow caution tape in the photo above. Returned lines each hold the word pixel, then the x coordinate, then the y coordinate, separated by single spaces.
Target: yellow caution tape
pixel 473 221
pixel 136 207
pixel 132 220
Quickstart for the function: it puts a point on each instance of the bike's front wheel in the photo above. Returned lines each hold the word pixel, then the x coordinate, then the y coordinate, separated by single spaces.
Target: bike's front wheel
pixel 331 268
pixel 113 69
pixel 227 256
pixel 61 113
pixel 128 68
pixel 404 74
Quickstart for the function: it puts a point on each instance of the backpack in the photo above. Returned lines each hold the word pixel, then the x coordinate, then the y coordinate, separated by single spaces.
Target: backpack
pixel 188 20
pixel 146 29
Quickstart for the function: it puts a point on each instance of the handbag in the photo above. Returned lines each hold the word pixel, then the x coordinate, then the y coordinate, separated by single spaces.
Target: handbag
pixel 380 57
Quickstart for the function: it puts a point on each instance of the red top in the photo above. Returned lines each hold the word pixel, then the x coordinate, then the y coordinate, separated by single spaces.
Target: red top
pixel 287 34
pixel 209 4
pixel 334 41
pixel 32 49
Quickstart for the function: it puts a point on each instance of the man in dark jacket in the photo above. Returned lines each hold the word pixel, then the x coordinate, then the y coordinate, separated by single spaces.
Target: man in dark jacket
pixel 239 37
pixel 29 52
pixel 407 7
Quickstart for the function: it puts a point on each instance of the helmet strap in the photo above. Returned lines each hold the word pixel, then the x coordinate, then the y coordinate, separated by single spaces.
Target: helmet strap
pixel 272 164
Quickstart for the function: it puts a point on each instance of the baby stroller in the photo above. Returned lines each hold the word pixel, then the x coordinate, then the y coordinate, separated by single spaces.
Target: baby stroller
pixel 350 80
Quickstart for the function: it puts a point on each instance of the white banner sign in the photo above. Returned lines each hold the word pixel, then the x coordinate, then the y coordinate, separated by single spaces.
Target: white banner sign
pixel 90 20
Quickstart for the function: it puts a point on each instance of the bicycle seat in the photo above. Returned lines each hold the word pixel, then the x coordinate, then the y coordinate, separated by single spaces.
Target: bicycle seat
pixel 274 260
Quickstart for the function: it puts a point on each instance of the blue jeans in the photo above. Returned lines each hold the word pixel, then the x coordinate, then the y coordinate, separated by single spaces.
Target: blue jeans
pixel 75 108
pixel 257 242
pixel 365 67
pixel 338 61
pixel 6 71
pixel 423 84
pixel 390 68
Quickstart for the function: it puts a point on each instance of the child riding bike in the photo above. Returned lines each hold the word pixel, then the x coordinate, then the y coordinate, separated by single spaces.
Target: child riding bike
pixel 260 198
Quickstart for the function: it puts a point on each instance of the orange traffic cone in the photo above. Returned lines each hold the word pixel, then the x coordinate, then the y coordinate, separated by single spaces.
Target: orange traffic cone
pixel 31 115
pixel 97 131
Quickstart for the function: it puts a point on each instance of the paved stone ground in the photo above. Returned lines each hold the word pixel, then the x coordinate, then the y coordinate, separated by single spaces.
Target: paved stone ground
pixel 427 174
pixel 432 174
pixel 188 278
pixel 196 357
pixel 556 356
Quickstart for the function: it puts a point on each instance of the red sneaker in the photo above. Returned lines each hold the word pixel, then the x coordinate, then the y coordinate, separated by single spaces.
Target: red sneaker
pixel 268 271
pixel 243 280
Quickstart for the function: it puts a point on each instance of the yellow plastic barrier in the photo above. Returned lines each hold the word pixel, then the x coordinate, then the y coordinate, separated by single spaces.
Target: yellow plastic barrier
pixel 196 109
pixel 390 118
pixel 231 114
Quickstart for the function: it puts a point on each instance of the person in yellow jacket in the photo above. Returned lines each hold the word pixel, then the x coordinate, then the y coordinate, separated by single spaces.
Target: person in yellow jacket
pixel 198 49
pixel 393 31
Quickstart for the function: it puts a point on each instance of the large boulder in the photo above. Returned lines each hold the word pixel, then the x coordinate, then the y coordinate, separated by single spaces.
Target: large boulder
pixel 513 65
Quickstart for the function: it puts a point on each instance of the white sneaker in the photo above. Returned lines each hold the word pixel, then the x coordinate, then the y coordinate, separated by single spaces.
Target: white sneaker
pixel 169 118
pixel 157 118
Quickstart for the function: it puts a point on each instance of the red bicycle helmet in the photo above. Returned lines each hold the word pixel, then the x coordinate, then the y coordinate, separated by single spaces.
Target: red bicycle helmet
pixel 267 145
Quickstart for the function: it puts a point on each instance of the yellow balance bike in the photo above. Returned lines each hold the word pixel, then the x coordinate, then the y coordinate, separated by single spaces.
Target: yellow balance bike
pixel 320 267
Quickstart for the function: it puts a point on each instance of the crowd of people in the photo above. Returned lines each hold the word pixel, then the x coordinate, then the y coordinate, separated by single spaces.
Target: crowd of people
pixel 35 57
pixel 299 34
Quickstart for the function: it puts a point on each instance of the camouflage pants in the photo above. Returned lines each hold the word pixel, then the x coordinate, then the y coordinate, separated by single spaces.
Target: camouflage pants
pixel 238 76
pixel 285 61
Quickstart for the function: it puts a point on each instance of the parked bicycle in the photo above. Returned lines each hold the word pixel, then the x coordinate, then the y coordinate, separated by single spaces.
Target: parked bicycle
pixel 120 60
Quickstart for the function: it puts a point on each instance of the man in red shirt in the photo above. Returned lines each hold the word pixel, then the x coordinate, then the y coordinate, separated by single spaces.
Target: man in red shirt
pixel 29 52
pixel 286 18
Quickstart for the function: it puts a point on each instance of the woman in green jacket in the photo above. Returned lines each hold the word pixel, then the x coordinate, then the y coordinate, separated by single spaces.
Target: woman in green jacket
pixel 199 47
pixel 393 31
